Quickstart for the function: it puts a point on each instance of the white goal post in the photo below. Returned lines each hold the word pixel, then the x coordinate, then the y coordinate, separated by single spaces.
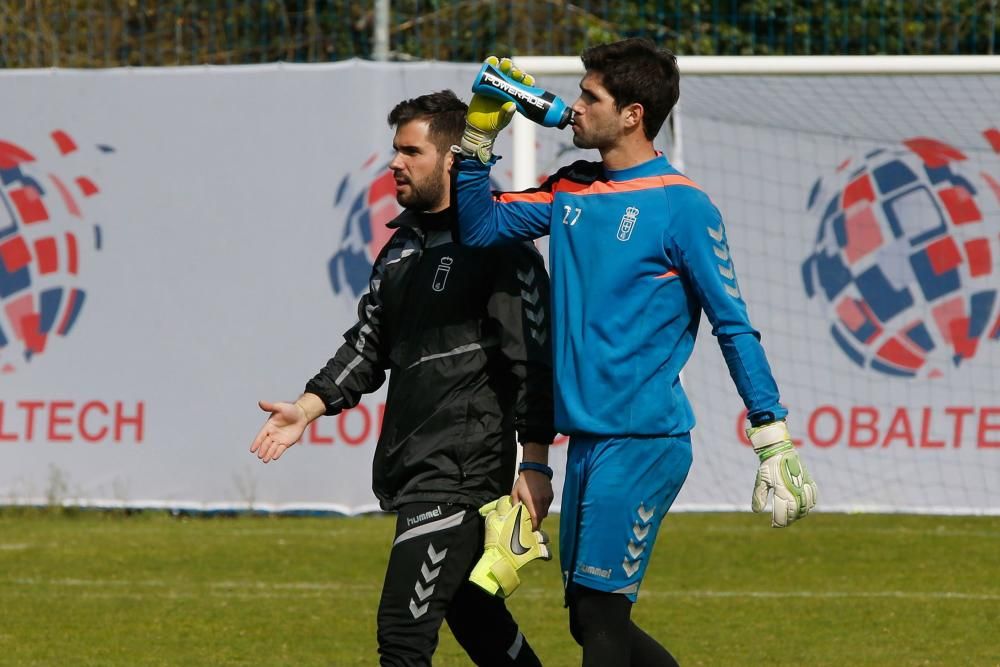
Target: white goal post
pixel 525 174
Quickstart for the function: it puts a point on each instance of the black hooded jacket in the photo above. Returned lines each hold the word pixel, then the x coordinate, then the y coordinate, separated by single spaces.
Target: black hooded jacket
pixel 464 335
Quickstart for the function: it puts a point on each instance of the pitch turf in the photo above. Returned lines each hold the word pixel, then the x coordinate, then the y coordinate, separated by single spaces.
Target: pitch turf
pixel 88 588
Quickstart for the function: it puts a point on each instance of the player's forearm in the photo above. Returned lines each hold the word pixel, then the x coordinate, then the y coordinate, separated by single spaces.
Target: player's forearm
pixel 535 452
pixel 484 220
pixel 534 416
pixel 355 370
pixel 537 426
pixel 476 224
pixel 752 375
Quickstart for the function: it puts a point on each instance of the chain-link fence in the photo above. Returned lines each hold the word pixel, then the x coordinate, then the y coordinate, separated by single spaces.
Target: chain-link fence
pixel 110 33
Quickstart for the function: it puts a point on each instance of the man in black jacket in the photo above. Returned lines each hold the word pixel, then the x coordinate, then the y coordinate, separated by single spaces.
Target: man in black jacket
pixel 463 333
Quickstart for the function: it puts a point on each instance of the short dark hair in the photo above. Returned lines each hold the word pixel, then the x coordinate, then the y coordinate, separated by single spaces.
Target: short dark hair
pixel 444 111
pixel 636 70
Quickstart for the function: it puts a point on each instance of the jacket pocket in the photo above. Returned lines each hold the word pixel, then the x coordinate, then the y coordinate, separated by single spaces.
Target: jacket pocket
pixel 482 441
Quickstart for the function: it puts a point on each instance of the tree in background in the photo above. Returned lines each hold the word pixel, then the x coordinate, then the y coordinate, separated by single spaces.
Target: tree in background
pixel 111 33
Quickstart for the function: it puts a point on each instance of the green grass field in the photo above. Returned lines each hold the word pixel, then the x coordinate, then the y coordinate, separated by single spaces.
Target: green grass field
pixel 88 588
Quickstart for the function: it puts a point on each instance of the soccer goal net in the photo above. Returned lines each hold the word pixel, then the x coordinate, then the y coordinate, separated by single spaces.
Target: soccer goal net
pixel 862 202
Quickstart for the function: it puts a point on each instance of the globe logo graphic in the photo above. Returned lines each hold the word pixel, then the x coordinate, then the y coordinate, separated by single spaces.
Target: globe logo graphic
pixel 45 240
pixel 365 202
pixel 905 257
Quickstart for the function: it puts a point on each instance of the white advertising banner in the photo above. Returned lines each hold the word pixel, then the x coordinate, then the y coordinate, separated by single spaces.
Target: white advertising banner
pixel 863 213
pixel 176 244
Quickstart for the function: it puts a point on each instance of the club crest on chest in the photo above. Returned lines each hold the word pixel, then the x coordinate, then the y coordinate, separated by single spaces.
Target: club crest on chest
pixel 442 273
pixel 628 223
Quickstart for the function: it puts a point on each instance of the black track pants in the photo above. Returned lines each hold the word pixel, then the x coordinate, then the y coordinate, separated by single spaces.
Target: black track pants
pixel 426 582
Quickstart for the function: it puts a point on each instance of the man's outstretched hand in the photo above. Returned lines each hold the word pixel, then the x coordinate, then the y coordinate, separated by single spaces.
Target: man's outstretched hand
pixel 282 429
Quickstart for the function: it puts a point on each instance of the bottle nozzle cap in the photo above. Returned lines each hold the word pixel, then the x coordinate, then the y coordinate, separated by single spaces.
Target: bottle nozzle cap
pixel 567 118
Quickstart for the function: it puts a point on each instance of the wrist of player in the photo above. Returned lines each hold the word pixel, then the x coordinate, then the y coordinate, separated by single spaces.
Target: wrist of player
pixel 532 467
pixel 535 459
pixel 310 406
pixel 477 143
pixel 770 439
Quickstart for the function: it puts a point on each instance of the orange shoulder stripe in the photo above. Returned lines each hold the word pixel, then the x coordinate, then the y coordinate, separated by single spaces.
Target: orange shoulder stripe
pixel 596 188
pixel 608 187
pixel 540 197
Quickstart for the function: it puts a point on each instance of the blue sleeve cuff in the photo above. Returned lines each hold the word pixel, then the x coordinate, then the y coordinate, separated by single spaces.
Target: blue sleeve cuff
pixel 473 164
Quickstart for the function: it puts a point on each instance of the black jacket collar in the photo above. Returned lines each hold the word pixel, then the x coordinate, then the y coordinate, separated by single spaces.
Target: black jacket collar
pixel 440 221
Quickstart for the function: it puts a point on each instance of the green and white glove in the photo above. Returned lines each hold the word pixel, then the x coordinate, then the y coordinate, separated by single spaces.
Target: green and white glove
pixel 488 115
pixel 781 470
pixel 510 544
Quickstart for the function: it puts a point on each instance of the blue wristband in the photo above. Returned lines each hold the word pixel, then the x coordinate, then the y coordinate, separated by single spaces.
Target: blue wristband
pixel 537 467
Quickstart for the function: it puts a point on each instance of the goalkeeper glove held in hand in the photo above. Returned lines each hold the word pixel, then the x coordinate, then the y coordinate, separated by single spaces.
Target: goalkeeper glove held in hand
pixel 510 544
pixel 781 470
pixel 488 115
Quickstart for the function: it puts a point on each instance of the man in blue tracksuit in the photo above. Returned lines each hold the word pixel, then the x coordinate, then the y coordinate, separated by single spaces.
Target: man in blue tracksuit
pixel 637 252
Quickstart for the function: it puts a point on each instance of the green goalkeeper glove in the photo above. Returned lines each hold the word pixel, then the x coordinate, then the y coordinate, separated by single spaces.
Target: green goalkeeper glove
pixel 780 469
pixel 510 545
pixel 487 115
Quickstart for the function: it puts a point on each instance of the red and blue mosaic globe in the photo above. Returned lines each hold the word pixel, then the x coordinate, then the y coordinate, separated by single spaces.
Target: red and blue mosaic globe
pixel 44 233
pixel 905 259
pixel 364 203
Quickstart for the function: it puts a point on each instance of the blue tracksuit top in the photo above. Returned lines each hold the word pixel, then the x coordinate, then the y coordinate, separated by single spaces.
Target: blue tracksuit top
pixel 635 255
